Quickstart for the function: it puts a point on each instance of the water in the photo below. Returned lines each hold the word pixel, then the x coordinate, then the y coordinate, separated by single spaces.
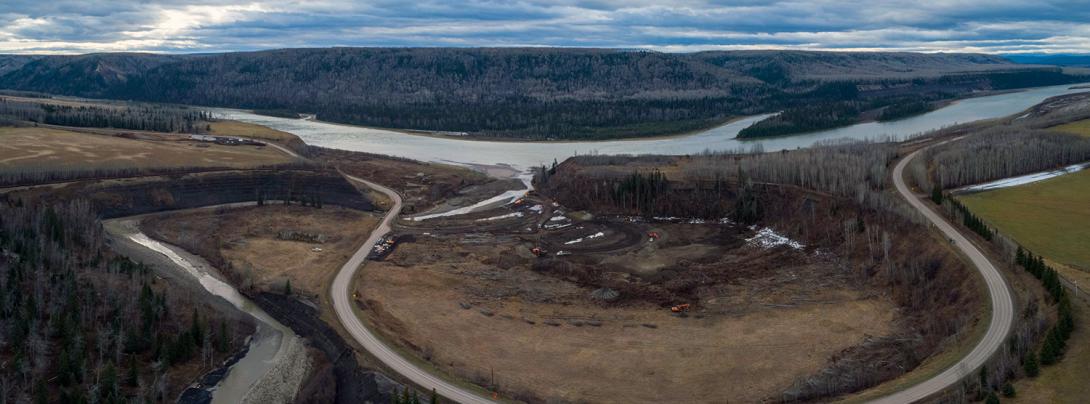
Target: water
pixel 523 155
pixel 269 340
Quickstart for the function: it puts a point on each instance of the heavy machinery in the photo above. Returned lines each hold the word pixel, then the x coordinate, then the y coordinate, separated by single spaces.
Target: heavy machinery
pixel 652 235
pixel 680 308
pixel 537 251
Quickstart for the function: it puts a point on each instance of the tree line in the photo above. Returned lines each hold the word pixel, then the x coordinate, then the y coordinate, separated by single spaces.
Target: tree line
pixel 135 117
pixel 1000 152
pixel 1052 349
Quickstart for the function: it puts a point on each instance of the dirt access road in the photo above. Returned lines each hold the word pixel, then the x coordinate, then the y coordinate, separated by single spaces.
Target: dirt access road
pixel 1002 305
pixel 342 305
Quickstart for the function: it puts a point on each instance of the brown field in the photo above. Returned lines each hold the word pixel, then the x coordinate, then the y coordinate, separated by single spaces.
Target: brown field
pixel 42 149
pixel 471 306
pixel 246 241
pixel 249 130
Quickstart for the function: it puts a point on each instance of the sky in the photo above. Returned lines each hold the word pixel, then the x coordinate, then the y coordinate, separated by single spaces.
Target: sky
pixel 197 26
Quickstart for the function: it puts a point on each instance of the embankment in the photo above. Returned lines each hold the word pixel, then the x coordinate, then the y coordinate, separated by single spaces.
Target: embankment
pixel 134 196
pixel 353 383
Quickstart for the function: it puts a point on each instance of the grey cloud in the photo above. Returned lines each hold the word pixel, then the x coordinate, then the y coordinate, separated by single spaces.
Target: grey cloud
pixel 207 25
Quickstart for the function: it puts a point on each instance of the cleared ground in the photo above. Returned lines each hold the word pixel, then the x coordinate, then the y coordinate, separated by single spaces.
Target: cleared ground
pixel 42 149
pixel 1049 217
pixel 478 303
pixel 268 245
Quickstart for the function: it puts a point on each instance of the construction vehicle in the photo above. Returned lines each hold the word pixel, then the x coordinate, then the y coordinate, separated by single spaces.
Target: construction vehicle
pixel 652 235
pixel 680 308
pixel 537 251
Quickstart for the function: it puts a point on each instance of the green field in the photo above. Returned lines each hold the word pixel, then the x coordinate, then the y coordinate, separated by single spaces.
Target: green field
pixel 1050 218
pixel 1081 128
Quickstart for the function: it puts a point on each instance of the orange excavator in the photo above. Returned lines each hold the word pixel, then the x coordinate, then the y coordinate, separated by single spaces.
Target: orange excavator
pixel 680 308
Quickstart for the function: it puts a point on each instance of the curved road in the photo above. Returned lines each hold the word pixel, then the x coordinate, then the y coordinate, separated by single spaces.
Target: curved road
pixel 343 306
pixel 1002 305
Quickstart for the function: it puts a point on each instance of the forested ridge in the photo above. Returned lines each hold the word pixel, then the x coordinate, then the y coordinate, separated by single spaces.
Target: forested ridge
pixel 525 93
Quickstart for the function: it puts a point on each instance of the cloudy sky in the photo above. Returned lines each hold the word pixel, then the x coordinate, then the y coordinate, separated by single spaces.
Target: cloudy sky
pixel 188 26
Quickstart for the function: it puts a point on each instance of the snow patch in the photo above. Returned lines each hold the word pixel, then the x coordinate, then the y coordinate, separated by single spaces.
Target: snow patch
pixel 1025 179
pixel 768 238
pixel 501 217
pixel 580 240
pixel 506 198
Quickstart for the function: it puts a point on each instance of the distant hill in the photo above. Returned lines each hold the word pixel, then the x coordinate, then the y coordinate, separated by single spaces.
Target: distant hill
pixel 511 92
pixel 1057 60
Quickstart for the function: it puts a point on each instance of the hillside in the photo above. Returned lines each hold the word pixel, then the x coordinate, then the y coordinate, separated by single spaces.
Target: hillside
pixel 519 92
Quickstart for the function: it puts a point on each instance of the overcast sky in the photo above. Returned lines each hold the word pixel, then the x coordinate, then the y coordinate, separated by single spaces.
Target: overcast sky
pixel 188 26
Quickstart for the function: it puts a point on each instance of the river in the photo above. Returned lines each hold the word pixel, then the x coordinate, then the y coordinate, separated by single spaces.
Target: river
pixel 259 375
pixel 523 155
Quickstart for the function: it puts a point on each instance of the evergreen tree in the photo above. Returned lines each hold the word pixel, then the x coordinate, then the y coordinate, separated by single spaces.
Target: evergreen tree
pixel 1008 390
pixel 1030 364
pixel 992 399
pixel 196 330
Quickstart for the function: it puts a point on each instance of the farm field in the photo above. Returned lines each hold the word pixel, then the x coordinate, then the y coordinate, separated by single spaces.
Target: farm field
pixel 1081 128
pixel 33 149
pixel 1048 217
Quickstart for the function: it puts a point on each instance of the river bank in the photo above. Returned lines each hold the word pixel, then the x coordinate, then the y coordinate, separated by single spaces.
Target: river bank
pixel 522 156
pixel 272 369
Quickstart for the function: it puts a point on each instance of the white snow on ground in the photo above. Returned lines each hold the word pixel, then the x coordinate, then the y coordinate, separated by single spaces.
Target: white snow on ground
pixel 537 209
pixel 557 218
pixel 506 198
pixel 768 238
pixel 500 217
pixel 592 236
pixel 1025 179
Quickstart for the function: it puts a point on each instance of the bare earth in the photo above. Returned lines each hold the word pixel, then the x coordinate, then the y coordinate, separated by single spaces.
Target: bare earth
pixel 248 239
pixel 545 340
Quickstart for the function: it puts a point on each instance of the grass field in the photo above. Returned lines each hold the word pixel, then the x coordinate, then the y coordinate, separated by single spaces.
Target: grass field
pixel 1051 218
pixel 43 149
pixel 236 128
pixel 1081 128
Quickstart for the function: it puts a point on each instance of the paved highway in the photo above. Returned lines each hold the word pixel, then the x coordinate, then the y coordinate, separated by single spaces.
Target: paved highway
pixel 1002 305
pixel 342 305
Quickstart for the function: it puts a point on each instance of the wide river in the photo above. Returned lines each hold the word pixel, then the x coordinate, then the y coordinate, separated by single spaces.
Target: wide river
pixel 523 155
